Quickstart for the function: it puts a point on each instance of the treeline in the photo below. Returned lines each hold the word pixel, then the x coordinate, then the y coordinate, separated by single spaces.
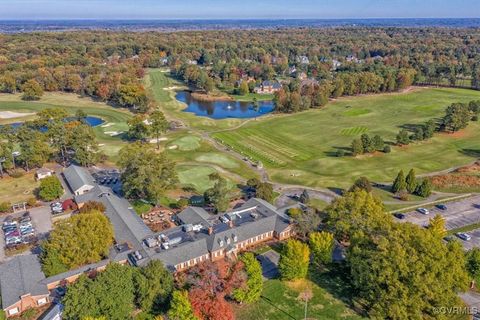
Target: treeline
pixel 110 65
pixel 50 137
pixel 302 95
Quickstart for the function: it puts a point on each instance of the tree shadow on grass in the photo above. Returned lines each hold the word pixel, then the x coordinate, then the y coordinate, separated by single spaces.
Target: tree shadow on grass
pixel 336 281
pixel 474 153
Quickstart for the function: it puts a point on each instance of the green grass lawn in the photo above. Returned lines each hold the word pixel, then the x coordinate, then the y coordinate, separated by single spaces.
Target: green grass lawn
pixel 280 300
pixel 300 148
pixel 115 118
pixel 197 176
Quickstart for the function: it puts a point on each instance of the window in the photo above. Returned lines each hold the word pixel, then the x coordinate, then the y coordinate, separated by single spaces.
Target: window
pixel 12 311
pixel 41 301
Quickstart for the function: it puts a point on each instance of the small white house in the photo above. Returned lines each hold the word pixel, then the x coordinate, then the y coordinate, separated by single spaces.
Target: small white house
pixel 42 173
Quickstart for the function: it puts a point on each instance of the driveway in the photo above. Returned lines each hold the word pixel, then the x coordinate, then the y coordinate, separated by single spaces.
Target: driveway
pixel 458 214
pixel 269 261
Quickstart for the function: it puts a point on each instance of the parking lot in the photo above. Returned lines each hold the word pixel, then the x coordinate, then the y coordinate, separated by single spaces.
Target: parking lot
pixel 458 214
pixel 109 178
pixel 27 228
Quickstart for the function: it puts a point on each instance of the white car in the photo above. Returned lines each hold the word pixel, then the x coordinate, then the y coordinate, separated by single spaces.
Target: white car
pixel 423 211
pixel 464 236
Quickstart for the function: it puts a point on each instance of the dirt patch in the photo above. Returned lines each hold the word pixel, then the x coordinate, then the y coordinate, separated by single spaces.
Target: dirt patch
pixel 455 180
pixel 456 135
pixel 473 168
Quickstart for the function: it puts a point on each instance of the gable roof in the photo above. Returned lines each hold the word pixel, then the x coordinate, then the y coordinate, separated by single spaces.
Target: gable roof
pixel 20 276
pixel 78 177
pixel 195 215
pixel 127 225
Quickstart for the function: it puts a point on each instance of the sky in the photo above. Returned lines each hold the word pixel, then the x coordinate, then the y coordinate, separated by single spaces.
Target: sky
pixel 236 9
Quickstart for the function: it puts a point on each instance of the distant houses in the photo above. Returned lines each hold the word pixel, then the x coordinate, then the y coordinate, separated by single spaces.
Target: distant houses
pixel 267 87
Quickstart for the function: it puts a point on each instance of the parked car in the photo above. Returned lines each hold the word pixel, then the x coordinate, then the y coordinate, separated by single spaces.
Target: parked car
pixel 441 206
pixel 400 216
pixel 13 241
pixel 464 236
pixel 423 211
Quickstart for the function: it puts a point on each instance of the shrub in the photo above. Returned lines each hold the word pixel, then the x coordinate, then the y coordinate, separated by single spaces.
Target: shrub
pixel 362 183
pixel 50 188
pixel 182 203
pixel 31 202
pixel 387 149
pixel 403 195
pixel 17 174
pixel 4 206
pixel 340 153
pixel 294 212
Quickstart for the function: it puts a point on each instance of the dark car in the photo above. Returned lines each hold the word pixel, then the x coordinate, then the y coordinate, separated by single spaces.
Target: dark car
pixel 441 206
pixel 400 216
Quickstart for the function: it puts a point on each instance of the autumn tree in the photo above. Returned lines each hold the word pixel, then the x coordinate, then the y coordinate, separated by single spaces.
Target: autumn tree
pixel 321 245
pixel 294 260
pixel 252 289
pixel 79 240
pixel 437 226
pixel 180 307
pixel 32 90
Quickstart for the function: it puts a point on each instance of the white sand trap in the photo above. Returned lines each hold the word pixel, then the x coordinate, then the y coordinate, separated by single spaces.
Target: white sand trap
pixel 173 147
pixel 106 125
pixel 101 144
pixel 158 140
pixel 113 133
pixel 11 114
pixel 172 88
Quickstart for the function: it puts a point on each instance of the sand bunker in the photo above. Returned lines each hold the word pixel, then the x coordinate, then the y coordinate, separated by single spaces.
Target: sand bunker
pixel 11 114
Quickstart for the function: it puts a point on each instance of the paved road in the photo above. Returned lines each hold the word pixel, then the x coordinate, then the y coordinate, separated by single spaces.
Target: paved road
pixel 474 242
pixel 458 214
pixel 269 261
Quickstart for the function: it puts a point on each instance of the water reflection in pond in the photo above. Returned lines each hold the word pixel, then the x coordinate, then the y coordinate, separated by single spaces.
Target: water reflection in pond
pixel 224 109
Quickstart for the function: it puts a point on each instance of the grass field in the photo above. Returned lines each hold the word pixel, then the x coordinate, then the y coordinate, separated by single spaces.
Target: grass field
pixel 300 148
pixel 14 190
pixel 280 301
pixel 115 118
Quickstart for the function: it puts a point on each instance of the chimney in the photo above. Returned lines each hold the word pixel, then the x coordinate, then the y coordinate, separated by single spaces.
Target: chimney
pixel 210 230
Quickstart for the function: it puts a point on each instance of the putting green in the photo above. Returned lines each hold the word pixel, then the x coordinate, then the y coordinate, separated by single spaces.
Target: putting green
pixel 196 176
pixel 187 143
pixel 218 159
pixel 301 148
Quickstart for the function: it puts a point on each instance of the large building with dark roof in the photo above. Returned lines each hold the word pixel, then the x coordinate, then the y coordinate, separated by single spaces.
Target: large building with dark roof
pixel 200 236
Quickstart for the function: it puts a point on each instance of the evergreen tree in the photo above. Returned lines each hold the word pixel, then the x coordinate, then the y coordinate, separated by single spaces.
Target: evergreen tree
pixel 399 184
pixel 378 143
pixel 367 143
pixel 424 189
pixel 403 138
pixel 411 181
pixel 357 147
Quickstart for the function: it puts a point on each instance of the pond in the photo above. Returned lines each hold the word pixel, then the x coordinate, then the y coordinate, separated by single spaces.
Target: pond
pixel 91 121
pixel 224 109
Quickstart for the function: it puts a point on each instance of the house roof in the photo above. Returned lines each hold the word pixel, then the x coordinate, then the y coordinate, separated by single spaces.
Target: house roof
pixel 195 215
pixel 20 276
pixel 78 177
pixel 127 225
